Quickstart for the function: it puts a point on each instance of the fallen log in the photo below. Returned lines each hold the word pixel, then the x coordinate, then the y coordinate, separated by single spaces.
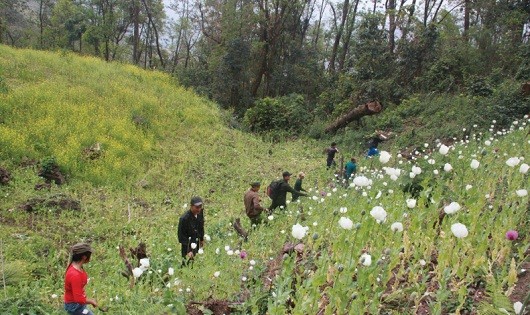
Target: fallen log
pixel 370 108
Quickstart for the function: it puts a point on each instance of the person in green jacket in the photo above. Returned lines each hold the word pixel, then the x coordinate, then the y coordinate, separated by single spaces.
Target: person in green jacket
pixel 280 197
pixel 298 185
pixel 350 168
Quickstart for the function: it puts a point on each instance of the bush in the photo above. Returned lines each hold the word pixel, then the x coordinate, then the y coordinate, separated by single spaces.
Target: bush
pixel 286 113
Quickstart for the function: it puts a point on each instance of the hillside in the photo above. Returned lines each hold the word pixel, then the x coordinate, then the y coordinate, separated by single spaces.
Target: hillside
pixel 421 236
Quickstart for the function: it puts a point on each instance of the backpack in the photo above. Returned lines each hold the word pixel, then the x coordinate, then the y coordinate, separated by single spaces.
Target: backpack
pixel 274 188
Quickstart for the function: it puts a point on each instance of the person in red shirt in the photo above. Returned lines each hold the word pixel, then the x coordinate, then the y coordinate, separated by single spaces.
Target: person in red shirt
pixel 75 280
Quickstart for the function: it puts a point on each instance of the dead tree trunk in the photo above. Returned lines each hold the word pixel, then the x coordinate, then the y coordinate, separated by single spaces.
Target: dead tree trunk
pixel 239 228
pixel 370 108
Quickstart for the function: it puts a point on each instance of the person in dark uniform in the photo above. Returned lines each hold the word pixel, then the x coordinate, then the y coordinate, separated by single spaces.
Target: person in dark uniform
pixel 191 229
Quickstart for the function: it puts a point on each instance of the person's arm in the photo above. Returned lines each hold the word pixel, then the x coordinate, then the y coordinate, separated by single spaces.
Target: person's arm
pixel 182 235
pixel 293 191
pixel 255 203
pixel 201 228
pixel 92 302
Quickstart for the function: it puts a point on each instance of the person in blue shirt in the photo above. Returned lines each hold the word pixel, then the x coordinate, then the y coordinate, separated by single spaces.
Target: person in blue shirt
pixel 372 152
pixel 350 168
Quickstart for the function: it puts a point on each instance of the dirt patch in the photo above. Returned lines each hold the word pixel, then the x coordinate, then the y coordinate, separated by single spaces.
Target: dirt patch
pixel 217 307
pixel 51 172
pixel 5 176
pixel 60 201
pixel 521 290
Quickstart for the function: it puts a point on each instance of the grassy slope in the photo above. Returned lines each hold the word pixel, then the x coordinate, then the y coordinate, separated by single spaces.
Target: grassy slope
pixel 58 104
pixel 186 150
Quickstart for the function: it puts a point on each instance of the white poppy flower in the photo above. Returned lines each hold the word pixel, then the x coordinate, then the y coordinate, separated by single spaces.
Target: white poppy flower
pixel 200 251
pixel 518 307
pixel 416 170
pixel 412 175
pixel 443 149
pixel 524 168
pixel 468 187
pixel 513 161
pixel 521 192
pixel 270 217
pixel 459 230
pixel 345 223
pixel 170 271
pixel 384 157
pixel 397 227
pixel 137 272
pixel 378 213
pixel 54 296
pixel 207 237
pixel 230 252
pixel 343 210
pixel 144 262
pixel 452 208
pixel 448 167
pixel 298 231
pixel 366 259
pixel 243 278
pixel 422 262
pixel 411 203
pixel 474 164
pixel 217 274
pixel 361 181
pixel 252 262
pixel 487 143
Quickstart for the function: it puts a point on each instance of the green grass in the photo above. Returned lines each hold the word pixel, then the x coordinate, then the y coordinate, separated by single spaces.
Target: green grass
pixel 57 105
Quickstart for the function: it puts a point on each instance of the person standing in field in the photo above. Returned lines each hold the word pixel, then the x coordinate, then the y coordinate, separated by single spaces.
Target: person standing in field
pixel 298 185
pixel 350 168
pixel 331 151
pixel 252 203
pixel 75 280
pixel 191 229
pixel 279 197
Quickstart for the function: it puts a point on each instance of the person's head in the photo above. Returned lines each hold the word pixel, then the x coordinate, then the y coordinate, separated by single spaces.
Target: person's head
pixel 286 175
pixel 333 144
pixel 196 205
pixel 81 252
pixel 255 186
pixel 353 160
pixel 301 175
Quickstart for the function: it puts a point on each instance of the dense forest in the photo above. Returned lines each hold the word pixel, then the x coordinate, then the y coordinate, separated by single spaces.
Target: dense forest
pixel 279 64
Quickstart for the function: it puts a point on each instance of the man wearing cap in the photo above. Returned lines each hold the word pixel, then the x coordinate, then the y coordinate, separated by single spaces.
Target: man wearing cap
pixel 280 199
pixel 298 185
pixel 252 201
pixel 191 229
pixel 75 280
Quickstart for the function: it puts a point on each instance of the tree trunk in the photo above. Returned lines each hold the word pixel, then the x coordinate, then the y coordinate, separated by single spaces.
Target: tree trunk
pixel 317 31
pixel 391 25
pixel 466 19
pixel 370 108
pixel 150 17
pixel 136 31
pixel 338 36
pixel 347 37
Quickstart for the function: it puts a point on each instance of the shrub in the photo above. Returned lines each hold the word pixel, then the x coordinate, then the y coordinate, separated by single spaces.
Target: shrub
pixel 287 113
